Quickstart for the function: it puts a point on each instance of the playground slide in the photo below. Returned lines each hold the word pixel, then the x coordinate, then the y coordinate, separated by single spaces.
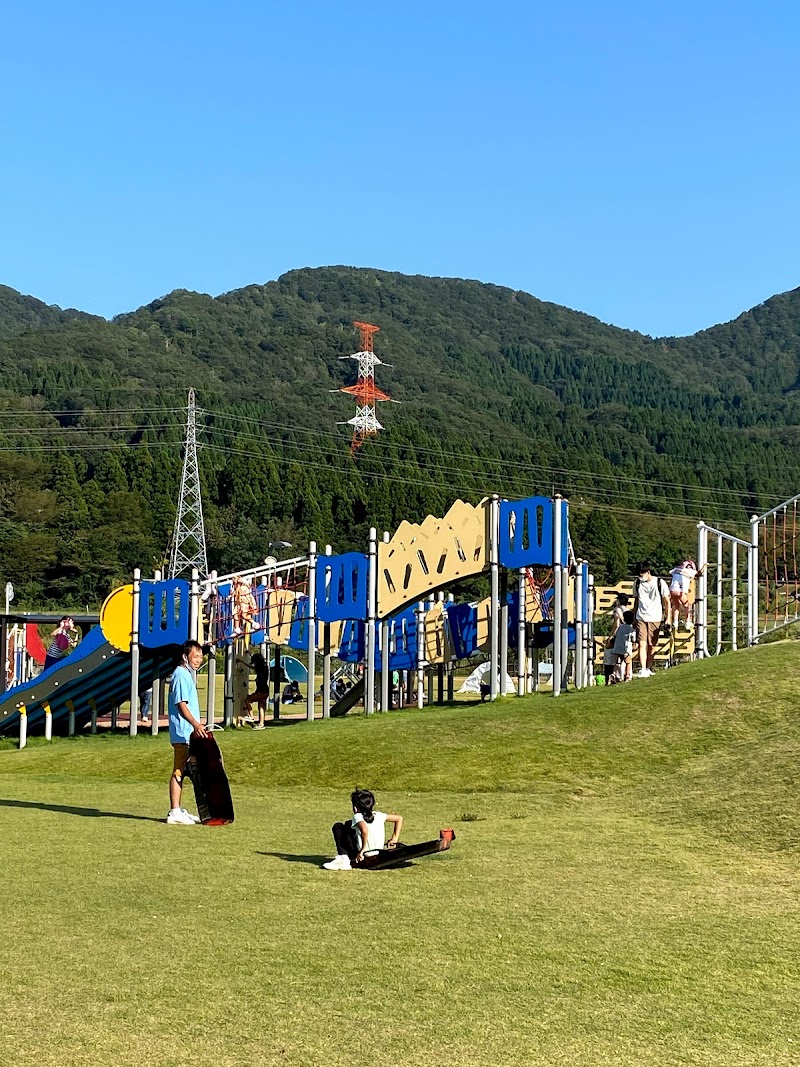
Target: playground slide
pixel 349 700
pixel 94 671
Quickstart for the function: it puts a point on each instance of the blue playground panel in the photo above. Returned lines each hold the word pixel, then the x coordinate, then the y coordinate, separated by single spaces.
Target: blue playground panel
pixel 164 613
pixel 298 635
pixel 463 622
pixel 342 587
pixel 402 642
pixel 353 643
pixel 526 532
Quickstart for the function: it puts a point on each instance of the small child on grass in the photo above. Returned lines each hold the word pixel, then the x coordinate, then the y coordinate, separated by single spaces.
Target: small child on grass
pixel 364 834
pixel 624 642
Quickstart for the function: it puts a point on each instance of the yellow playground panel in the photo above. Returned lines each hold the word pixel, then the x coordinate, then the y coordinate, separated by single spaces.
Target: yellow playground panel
pixel 680 645
pixel 437 644
pixel 423 557
pixel 116 618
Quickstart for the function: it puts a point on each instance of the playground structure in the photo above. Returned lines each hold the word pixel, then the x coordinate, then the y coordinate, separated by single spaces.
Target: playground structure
pixel 380 612
pixel 747 589
pixel 383 614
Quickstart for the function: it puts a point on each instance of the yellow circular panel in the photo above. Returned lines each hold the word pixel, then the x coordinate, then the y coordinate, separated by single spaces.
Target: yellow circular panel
pixel 116 618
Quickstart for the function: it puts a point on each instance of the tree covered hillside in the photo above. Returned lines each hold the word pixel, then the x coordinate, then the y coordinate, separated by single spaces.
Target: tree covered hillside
pixel 497 391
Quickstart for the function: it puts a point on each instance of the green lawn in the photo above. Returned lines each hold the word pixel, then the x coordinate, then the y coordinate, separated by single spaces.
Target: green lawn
pixel 623 890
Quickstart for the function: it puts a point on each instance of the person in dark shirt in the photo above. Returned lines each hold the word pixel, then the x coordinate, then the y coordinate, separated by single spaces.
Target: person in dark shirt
pixel 291 694
pixel 261 695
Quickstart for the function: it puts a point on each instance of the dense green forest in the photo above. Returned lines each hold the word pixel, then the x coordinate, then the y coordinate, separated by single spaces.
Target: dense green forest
pixel 497 391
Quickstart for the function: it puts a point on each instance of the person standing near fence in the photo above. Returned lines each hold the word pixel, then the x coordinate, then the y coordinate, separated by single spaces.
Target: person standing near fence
pixel 651 607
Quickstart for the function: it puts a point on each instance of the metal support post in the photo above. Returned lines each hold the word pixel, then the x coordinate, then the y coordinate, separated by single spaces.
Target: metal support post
pixel 522 652
pixel 369 644
pixel 421 654
pixel 720 590
pixel 734 594
pixel 276 683
pixel 211 687
pixel 565 626
pixel 494 596
pixel 558 593
pixel 386 654
pixel 503 667
pixel 194 606
pixel 23 726
pixel 701 600
pixel 48 721
pixel 326 658
pixel 590 631
pixel 93 709
pixel 135 599
pixel 579 626
pixel 227 686
pixel 312 630
pixel 752 583
pixel 71 721
pixel 211 666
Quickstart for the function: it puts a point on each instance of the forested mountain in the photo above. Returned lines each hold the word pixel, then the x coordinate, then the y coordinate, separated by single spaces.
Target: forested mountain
pixel 19 313
pixel 497 391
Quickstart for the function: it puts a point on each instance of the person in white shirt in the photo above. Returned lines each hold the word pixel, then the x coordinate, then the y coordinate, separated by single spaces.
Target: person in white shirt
pixel 364 834
pixel 680 583
pixel 651 607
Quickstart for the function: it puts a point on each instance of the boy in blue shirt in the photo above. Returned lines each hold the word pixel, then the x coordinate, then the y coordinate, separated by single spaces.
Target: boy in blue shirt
pixel 184 721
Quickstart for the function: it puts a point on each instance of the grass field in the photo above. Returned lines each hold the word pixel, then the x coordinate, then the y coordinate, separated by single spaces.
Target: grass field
pixel 624 888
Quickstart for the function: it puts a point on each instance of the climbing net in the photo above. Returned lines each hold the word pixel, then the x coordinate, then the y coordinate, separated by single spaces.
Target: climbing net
pixel 540 590
pixel 779 579
pixel 263 604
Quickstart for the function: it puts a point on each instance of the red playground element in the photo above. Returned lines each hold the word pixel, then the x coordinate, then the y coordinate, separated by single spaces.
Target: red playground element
pixel 368 395
pixel 33 643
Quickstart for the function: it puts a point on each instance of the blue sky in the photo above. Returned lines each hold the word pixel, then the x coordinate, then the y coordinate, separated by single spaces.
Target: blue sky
pixel 637 161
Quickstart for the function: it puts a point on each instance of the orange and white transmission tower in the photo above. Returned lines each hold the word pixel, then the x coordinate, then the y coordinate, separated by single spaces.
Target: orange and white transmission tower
pixel 365 421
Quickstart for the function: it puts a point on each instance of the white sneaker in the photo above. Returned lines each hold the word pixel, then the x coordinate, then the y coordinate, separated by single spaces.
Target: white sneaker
pixel 689 626
pixel 179 817
pixel 644 673
pixel 194 818
pixel 338 863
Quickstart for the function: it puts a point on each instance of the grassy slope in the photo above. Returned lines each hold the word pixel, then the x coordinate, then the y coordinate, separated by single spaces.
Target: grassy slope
pixel 627 895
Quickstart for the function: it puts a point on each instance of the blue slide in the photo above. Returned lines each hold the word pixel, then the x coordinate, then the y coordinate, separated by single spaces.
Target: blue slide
pixel 94 670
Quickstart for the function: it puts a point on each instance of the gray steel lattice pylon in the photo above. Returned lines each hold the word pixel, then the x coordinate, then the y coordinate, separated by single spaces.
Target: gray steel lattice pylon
pixel 189 535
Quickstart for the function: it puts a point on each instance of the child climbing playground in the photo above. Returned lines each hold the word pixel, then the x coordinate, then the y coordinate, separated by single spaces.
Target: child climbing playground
pixel 364 834
pixel 680 583
pixel 244 607
pixel 63 639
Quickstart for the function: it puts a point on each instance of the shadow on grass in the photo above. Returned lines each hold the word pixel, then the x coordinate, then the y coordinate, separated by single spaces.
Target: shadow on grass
pixel 87 813
pixel 317 861
pixel 290 857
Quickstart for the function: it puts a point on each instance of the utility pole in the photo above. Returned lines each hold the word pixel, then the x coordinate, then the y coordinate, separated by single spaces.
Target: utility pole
pixel 189 536
pixel 365 422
